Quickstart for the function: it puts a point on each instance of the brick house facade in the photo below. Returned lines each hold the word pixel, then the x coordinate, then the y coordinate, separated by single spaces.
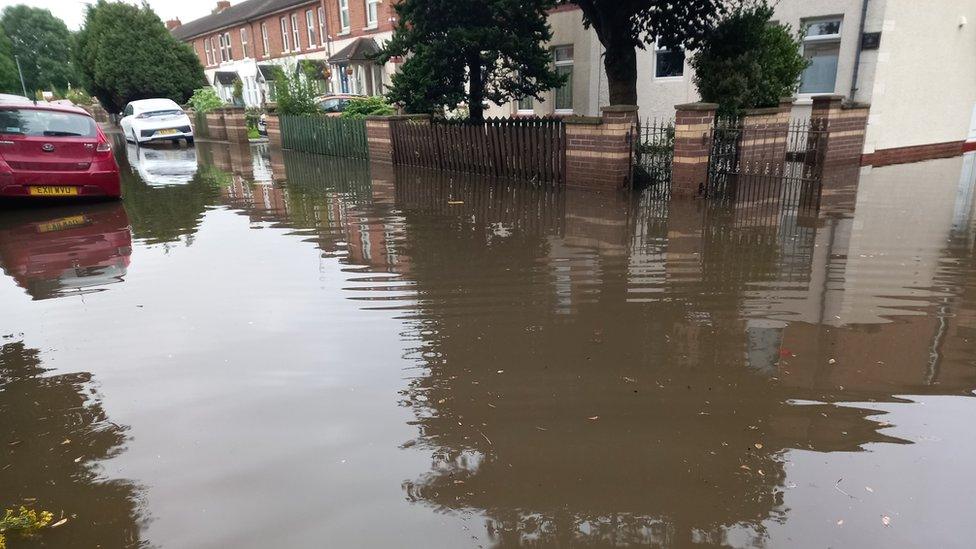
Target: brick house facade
pixel 242 41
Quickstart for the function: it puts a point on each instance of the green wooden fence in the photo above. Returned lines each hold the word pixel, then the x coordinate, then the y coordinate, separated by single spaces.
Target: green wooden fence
pixel 200 128
pixel 325 135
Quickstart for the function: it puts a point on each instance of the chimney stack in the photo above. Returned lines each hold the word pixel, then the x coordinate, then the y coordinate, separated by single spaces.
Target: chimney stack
pixel 173 23
pixel 221 6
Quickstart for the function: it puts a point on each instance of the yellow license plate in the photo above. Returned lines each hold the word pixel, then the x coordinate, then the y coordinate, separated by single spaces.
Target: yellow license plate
pixel 166 132
pixel 62 224
pixel 54 191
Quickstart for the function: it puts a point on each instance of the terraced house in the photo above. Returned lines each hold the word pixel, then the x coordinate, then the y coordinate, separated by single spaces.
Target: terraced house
pixel 245 41
pixel 914 62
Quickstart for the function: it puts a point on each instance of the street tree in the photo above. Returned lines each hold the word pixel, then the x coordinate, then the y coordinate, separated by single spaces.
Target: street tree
pixel 470 51
pixel 9 79
pixel 623 26
pixel 125 53
pixel 748 61
pixel 42 42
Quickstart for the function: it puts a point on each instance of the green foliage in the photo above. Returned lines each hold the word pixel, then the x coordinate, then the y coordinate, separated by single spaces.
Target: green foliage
pixel 125 53
pixel 295 93
pixel 361 107
pixel 78 96
pixel 43 44
pixel 238 92
pixel 252 115
pixel 24 522
pixel 749 62
pixel 205 100
pixel 470 51
pixel 9 79
pixel 253 133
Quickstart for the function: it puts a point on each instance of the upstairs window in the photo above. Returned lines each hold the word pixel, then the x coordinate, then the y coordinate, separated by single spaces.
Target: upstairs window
pixel 344 15
pixel 322 32
pixel 563 60
pixel 294 32
pixel 310 28
pixel 821 46
pixel 284 35
pixel 213 47
pixel 208 52
pixel 669 63
pixel 372 13
pixel 266 47
pixel 226 53
pixel 244 41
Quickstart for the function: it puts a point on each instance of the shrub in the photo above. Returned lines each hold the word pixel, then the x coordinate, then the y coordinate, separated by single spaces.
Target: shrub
pixel 205 100
pixel 748 61
pixel 361 107
pixel 295 94
pixel 78 96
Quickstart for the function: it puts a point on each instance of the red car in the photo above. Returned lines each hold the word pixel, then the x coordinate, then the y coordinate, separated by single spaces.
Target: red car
pixel 54 151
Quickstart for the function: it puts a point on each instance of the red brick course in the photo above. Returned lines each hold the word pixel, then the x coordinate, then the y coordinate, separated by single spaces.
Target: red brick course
pixel 915 153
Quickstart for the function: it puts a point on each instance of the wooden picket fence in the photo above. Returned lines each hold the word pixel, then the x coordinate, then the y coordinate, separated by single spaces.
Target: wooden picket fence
pixel 330 136
pixel 527 149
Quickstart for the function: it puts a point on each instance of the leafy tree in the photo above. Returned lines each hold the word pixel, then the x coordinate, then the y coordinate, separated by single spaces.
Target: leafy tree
pixel 125 53
pixel 476 50
pixel 205 100
pixel 42 42
pixel 368 106
pixel 9 79
pixel 748 61
pixel 625 25
pixel 295 93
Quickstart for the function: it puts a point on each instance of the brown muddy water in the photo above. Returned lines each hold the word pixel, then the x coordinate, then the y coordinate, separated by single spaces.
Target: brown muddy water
pixel 259 349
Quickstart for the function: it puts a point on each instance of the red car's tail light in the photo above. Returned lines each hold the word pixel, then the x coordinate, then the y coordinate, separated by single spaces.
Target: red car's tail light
pixel 104 147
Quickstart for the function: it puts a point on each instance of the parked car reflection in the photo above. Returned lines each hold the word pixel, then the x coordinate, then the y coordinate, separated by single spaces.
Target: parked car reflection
pixel 162 166
pixel 64 251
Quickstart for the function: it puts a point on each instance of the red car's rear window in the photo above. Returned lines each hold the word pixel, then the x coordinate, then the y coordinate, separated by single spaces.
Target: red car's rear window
pixel 42 123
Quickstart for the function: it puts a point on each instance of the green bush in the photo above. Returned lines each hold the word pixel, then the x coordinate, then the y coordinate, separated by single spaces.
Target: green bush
pixel 78 96
pixel 361 107
pixel 252 115
pixel 748 61
pixel 205 100
pixel 295 94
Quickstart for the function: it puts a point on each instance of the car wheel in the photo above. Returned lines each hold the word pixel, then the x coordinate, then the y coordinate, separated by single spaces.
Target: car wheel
pixel 189 141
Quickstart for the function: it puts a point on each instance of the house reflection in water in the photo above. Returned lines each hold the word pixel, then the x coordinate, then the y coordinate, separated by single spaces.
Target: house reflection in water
pixel 65 251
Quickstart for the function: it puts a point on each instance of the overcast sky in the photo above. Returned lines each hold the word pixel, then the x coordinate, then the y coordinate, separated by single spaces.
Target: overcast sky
pixel 73 11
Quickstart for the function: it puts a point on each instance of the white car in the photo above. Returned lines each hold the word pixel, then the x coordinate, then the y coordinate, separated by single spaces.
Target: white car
pixel 155 120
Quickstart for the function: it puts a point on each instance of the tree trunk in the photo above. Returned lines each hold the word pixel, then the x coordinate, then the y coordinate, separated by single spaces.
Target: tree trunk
pixel 620 62
pixel 476 90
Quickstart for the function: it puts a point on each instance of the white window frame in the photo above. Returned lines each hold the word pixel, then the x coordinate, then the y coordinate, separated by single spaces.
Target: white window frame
pixel 821 39
pixel 344 16
pixel 213 48
pixel 208 52
pixel 244 41
pixel 323 36
pixel 524 112
pixel 295 32
pixel 564 63
pixel 310 28
pixel 658 50
pixel 226 52
pixel 285 46
pixel 265 39
pixel 374 4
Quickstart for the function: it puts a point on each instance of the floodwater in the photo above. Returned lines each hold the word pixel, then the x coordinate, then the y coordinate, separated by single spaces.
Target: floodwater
pixel 261 349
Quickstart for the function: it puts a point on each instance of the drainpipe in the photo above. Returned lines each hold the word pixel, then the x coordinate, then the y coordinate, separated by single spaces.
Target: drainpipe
pixel 860 44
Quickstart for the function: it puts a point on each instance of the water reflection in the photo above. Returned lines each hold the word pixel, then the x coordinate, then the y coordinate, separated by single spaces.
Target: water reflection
pixel 160 166
pixel 56 433
pixel 53 252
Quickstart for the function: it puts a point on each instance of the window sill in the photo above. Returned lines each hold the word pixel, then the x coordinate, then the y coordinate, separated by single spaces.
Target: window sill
pixel 344 32
pixel 374 26
pixel 564 112
pixel 669 78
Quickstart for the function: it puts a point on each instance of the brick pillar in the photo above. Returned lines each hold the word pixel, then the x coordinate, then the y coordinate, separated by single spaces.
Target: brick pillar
pixel 215 125
pixel 692 146
pixel 274 130
pixel 235 124
pixel 846 125
pixel 762 149
pixel 379 135
pixel 598 149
